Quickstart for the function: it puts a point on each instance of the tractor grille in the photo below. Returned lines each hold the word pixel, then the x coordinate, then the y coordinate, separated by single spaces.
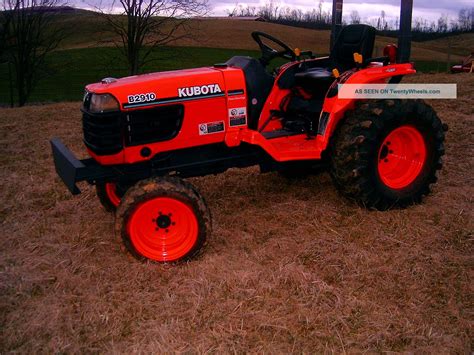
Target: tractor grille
pixel 153 125
pixel 106 133
pixel 103 132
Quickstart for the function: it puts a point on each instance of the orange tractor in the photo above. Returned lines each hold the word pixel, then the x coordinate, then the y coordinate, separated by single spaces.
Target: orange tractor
pixel 146 133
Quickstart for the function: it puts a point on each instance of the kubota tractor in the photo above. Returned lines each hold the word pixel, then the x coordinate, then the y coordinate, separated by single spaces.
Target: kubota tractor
pixel 146 133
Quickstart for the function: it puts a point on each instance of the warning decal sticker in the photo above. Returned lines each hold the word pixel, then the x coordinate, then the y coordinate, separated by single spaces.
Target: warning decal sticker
pixel 212 127
pixel 237 116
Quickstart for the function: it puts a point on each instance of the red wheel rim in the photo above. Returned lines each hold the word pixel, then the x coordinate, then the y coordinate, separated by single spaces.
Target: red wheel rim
pixel 163 229
pixel 111 190
pixel 401 157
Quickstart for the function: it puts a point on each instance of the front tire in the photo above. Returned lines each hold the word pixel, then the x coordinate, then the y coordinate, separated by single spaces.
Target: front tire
pixel 163 220
pixel 109 194
pixel 387 152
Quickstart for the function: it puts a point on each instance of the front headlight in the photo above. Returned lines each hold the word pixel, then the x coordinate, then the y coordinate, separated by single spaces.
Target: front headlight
pixel 103 103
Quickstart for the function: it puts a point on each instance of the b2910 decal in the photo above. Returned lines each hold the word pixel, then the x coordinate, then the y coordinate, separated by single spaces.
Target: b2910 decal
pixel 145 97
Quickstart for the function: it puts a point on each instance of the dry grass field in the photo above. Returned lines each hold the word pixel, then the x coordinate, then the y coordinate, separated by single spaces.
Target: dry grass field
pixel 291 266
pixel 219 33
pixel 223 33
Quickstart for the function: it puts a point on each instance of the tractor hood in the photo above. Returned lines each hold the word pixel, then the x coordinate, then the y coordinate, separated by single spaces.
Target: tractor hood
pixel 163 87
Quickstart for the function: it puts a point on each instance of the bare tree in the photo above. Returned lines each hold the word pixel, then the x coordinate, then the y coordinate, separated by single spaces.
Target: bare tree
pixel 5 20
pixel 355 17
pixel 242 11
pixel 4 27
pixel 29 35
pixel 144 25
pixel 443 24
pixel 272 12
pixel 466 19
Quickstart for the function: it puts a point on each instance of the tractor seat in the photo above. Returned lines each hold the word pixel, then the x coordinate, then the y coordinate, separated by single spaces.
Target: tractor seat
pixel 314 80
pixel 352 38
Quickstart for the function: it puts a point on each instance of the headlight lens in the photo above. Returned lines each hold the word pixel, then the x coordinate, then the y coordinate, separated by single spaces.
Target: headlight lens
pixel 103 103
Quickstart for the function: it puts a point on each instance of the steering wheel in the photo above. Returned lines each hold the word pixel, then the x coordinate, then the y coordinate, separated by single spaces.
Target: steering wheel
pixel 269 53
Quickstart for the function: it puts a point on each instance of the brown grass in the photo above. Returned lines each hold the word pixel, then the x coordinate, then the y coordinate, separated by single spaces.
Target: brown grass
pixel 222 33
pixel 290 267
pixel 236 34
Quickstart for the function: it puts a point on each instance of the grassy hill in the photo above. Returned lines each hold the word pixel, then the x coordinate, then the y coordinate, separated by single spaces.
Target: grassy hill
pixel 88 55
pixel 461 45
pixel 91 31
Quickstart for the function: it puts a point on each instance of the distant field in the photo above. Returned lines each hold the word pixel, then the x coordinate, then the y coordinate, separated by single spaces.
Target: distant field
pixel 91 31
pixel 87 54
pixel 72 69
pixel 461 45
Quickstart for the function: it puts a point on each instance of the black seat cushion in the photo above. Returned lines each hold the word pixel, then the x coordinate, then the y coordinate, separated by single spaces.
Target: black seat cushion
pixel 259 83
pixel 315 80
pixel 352 38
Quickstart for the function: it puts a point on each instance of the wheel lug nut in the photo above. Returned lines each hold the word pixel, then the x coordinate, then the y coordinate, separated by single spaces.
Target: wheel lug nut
pixel 386 160
pixel 166 230
pixel 173 223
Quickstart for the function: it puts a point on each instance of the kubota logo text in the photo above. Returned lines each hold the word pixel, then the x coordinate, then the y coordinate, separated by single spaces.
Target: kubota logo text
pixel 199 90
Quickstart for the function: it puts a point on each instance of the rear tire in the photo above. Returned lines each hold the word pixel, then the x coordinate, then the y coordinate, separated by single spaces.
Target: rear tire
pixel 163 220
pixel 387 152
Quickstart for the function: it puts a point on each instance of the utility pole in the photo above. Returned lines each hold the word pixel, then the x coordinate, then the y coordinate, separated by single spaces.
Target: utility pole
pixel 336 20
pixel 404 37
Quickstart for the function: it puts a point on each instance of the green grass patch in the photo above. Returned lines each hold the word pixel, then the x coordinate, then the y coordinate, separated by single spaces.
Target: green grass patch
pixel 424 66
pixel 70 70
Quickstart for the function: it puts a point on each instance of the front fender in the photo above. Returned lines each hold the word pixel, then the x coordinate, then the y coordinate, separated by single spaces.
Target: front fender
pixel 334 108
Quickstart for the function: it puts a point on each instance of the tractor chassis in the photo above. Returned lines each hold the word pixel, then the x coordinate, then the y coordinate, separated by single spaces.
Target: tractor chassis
pixel 191 162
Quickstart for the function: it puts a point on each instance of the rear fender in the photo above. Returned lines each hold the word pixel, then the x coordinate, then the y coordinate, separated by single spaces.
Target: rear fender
pixel 337 107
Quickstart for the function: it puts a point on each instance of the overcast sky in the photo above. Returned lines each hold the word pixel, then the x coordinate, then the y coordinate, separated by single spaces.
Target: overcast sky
pixel 428 9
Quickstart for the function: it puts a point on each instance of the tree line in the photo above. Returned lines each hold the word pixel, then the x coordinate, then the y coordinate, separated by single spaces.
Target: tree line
pixel 315 19
pixel 319 19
